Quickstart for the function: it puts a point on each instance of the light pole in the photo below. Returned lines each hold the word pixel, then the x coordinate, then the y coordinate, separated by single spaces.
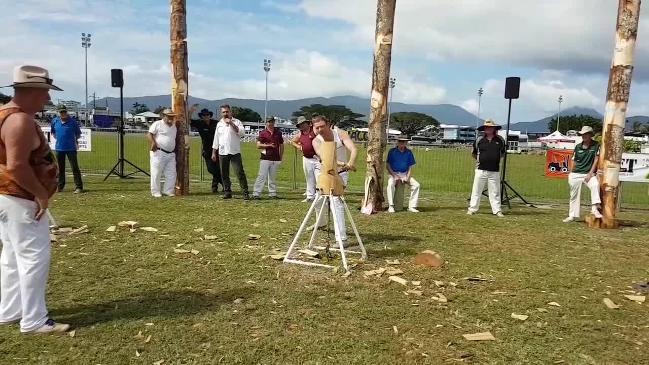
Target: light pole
pixel 86 43
pixel 266 69
pixel 393 83
pixel 560 100
pixel 477 119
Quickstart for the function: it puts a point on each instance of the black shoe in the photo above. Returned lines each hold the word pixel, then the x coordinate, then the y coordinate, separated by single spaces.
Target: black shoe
pixel 227 195
pixel 255 197
pixel 246 196
pixel 215 190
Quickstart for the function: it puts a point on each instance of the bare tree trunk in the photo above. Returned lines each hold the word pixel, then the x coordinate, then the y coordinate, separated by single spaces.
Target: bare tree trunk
pixel 377 136
pixel 619 87
pixel 180 91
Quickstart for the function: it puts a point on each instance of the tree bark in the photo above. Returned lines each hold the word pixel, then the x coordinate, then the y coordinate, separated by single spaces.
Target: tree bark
pixel 377 137
pixel 180 91
pixel 619 87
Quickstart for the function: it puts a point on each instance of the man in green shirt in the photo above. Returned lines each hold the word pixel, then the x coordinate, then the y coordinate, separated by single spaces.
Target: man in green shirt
pixel 584 171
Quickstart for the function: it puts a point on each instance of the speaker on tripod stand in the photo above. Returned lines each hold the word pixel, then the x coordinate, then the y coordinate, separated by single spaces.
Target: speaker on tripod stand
pixel 117 80
pixel 507 192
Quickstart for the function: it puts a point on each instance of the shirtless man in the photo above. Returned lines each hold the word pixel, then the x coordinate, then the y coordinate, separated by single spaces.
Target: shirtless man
pixel 28 179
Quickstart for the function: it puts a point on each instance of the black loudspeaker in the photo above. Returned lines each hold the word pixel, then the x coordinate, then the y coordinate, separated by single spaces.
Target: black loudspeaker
pixel 117 77
pixel 512 87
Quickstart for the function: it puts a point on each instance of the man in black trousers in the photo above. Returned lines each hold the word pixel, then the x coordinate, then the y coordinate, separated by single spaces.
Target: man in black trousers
pixel 206 127
pixel 67 132
pixel 227 150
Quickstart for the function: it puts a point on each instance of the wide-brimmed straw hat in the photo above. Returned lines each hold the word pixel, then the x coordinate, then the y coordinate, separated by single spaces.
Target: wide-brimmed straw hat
pixel 301 120
pixel 489 123
pixel 205 111
pixel 586 129
pixel 27 76
pixel 168 112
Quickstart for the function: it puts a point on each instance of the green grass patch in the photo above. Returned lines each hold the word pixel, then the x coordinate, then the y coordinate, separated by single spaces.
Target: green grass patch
pixel 120 288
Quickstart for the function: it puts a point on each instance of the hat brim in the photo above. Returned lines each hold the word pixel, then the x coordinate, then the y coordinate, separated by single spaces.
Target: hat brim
pixel 403 140
pixel 210 114
pixel 170 114
pixel 482 127
pixel 582 133
pixel 36 85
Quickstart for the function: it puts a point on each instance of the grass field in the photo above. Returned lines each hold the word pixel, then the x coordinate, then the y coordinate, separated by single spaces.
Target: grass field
pixel 134 300
pixel 438 170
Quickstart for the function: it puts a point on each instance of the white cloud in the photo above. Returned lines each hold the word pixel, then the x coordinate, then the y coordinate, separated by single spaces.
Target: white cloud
pixel 574 35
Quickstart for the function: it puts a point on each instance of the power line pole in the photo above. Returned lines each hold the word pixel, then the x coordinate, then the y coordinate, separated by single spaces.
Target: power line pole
pixel 266 69
pixel 619 87
pixel 376 144
pixel 86 42
pixel 560 100
pixel 477 117
pixel 180 91
pixel 393 83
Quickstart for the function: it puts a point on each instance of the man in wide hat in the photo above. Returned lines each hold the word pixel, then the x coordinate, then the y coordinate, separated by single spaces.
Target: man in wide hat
pixel 206 127
pixel 488 149
pixel 28 179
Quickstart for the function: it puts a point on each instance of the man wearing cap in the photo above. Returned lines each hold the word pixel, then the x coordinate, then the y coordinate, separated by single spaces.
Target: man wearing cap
pixel 584 171
pixel 206 127
pixel 304 142
pixel 28 179
pixel 488 149
pixel 227 150
pixel 271 144
pixel 67 132
pixel 162 137
pixel 399 163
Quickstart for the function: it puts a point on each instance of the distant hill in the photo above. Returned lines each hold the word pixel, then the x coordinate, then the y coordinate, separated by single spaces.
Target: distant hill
pixel 541 125
pixel 445 113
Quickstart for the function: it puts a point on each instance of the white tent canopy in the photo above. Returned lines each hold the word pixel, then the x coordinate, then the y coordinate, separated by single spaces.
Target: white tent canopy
pixel 148 115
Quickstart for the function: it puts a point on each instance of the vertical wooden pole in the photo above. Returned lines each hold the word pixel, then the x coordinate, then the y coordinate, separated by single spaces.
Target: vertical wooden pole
pixel 377 136
pixel 619 87
pixel 180 91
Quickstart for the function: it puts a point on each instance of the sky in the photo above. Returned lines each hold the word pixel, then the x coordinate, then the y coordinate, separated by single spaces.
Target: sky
pixel 443 50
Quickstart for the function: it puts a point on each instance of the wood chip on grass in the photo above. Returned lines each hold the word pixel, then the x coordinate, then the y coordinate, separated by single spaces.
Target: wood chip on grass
pixel 609 304
pixel 520 317
pixel 636 298
pixel 399 280
pixel 482 336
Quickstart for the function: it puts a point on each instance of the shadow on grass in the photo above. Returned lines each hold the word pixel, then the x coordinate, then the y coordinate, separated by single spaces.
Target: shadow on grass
pixel 149 304
pixel 376 238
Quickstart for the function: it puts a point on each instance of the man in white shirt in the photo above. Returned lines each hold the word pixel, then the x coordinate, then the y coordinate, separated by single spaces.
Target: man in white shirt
pixel 227 150
pixel 162 136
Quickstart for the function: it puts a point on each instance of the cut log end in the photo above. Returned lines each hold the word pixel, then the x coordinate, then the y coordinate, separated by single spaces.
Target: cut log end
pixel 601 223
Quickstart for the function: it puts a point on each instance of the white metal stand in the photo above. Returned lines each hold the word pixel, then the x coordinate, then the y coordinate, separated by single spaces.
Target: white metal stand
pixel 326 200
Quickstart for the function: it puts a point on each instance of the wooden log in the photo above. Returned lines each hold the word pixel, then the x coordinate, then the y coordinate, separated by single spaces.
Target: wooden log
pixel 377 138
pixel 619 88
pixel 180 91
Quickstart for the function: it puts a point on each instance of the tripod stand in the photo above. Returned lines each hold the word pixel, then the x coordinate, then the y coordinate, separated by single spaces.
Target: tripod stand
pixel 325 200
pixel 118 169
pixel 505 188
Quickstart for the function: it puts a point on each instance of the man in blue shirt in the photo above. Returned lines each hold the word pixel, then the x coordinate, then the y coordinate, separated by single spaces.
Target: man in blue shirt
pixel 399 163
pixel 66 131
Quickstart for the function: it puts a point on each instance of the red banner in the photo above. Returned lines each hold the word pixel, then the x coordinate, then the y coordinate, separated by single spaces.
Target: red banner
pixel 557 163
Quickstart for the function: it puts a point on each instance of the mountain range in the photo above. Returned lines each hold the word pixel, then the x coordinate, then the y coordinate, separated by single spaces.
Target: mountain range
pixel 444 113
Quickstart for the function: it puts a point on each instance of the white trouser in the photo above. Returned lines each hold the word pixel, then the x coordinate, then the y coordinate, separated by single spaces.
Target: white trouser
pixel 267 171
pixel 492 179
pixel 414 190
pixel 576 180
pixel 309 165
pixel 24 263
pixel 337 208
pixel 163 163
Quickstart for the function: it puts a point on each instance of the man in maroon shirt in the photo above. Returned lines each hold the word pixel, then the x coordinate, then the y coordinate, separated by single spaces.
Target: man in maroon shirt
pixel 304 142
pixel 271 144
